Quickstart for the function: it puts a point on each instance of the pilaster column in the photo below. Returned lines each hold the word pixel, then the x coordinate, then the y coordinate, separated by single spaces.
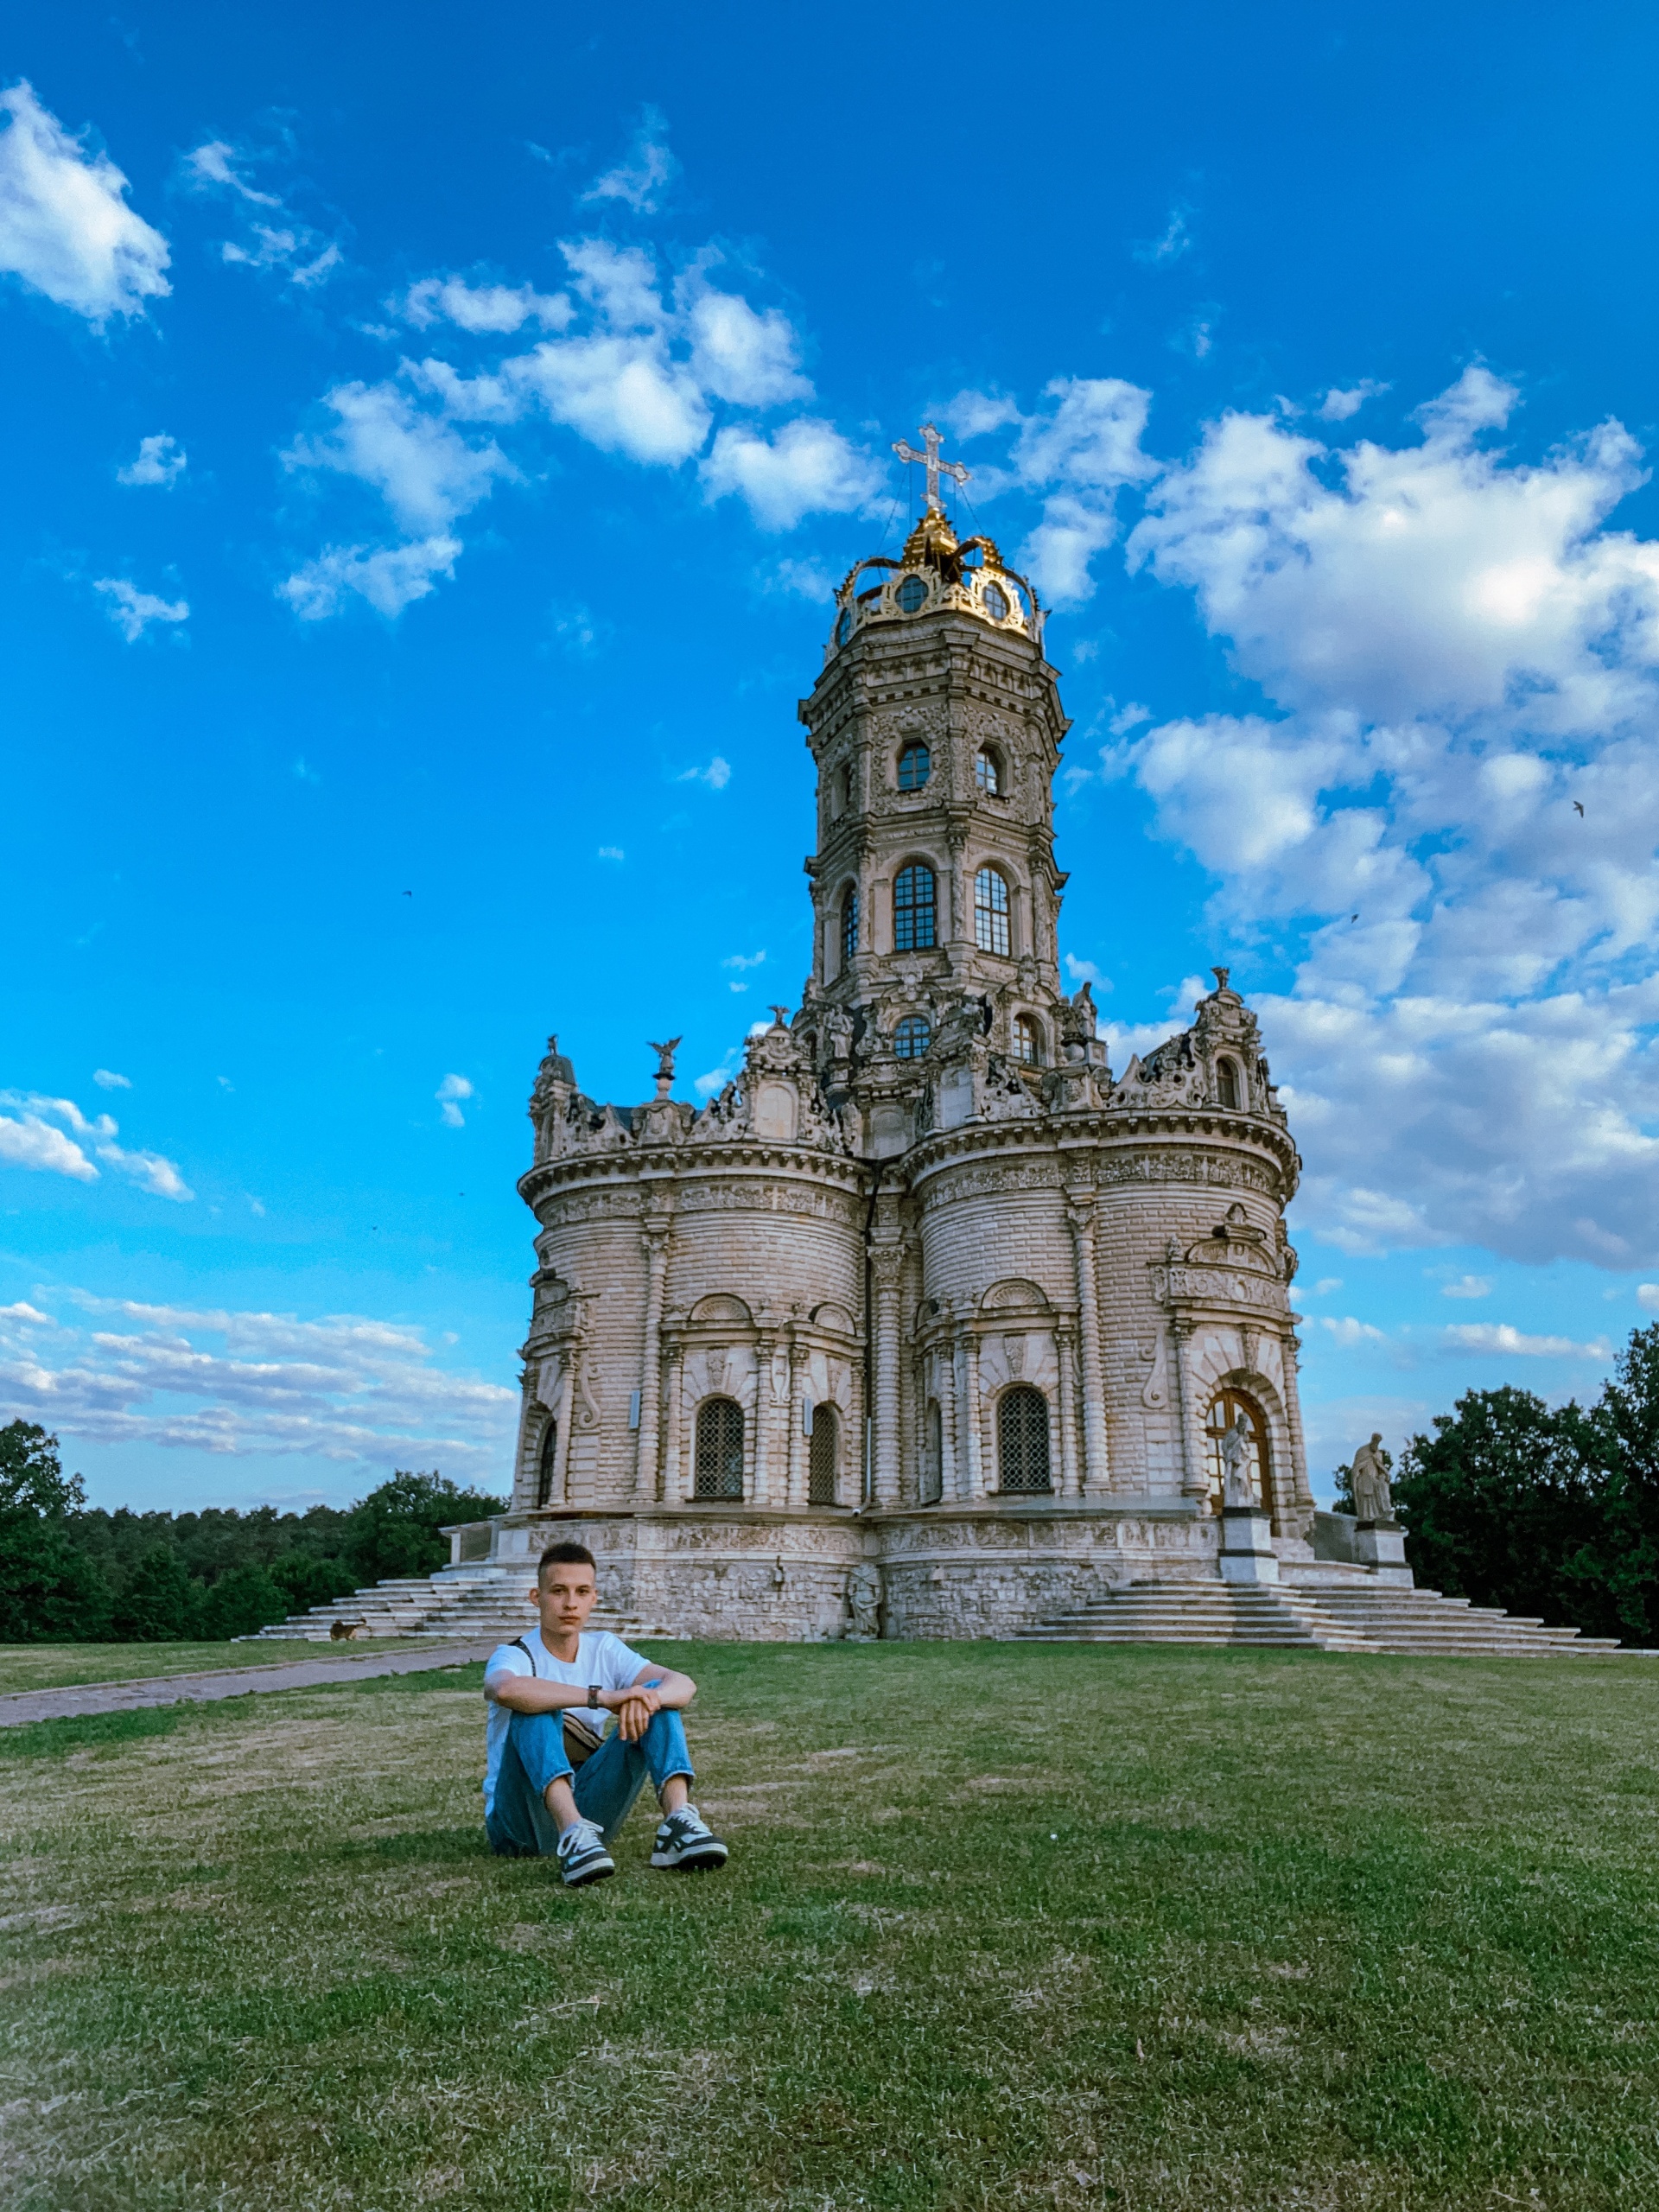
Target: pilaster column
pixel 566 1417
pixel 1300 1490
pixel 977 1482
pixel 653 1235
pixel 1195 1479
pixel 1071 1472
pixel 887 1266
pixel 673 1473
pixel 955 1483
pixel 794 1451
pixel 765 1416
pixel 1080 1214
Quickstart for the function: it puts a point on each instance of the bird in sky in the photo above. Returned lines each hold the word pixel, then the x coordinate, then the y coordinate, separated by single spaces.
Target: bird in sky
pixel 1578 807
pixel 1353 917
pixel 409 894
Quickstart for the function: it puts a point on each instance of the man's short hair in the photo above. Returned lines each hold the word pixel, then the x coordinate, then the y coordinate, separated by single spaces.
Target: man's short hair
pixel 567 1555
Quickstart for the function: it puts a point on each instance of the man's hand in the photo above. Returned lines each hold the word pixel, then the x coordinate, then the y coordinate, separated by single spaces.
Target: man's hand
pixel 633 1707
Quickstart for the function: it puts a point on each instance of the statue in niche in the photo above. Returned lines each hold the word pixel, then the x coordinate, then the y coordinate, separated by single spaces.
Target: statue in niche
pixel 1237 1490
pixel 864 1604
pixel 1369 1478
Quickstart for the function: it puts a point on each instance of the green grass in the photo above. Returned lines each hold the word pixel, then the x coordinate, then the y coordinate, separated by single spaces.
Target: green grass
pixel 1004 1928
pixel 57 1666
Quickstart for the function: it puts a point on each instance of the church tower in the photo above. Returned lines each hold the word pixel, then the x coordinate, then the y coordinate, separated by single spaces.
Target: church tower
pixel 926 1316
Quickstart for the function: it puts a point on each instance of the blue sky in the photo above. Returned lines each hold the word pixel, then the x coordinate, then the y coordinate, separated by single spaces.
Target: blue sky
pixel 433 442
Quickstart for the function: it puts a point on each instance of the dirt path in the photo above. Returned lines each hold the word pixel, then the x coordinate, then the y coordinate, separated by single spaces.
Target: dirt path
pixel 75 1699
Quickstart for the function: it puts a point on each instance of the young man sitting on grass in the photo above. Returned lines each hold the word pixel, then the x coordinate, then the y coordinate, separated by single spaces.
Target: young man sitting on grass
pixel 554 1783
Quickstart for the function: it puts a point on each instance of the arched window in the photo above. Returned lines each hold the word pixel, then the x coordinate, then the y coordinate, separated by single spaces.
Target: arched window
pixel 990 912
pixel 1227 1083
pixel 1225 1412
pixel 988 772
pixel 1028 1040
pixel 912 1038
pixel 823 1457
pixel 913 909
pixel 547 1466
pixel 915 767
pixel 849 922
pixel 933 1482
pixel 720 1449
pixel 1022 1439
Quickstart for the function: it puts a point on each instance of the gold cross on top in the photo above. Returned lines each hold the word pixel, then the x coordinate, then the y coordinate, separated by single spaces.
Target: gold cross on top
pixel 936 468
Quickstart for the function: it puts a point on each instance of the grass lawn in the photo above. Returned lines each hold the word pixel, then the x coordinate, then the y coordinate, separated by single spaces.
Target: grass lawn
pixel 55 1666
pixel 1003 1927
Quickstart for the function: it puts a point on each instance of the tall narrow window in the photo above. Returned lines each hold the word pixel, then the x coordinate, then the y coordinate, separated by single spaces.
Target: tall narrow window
pixel 1226 1411
pixel 548 1465
pixel 720 1449
pixel 991 911
pixel 1022 1439
pixel 1027 1041
pixel 823 1457
pixel 987 773
pixel 915 767
pixel 849 924
pixel 1227 1083
pixel 932 1482
pixel 913 910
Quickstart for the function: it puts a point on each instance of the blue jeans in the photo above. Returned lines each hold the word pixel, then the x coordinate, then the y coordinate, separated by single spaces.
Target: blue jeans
pixel 519 1825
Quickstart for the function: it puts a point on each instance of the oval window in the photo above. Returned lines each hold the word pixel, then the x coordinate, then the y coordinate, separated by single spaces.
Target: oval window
pixel 996 602
pixel 844 627
pixel 911 593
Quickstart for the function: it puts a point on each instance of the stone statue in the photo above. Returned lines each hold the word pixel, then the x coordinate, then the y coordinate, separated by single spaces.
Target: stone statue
pixel 864 1603
pixel 1372 1501
pixel 1236 1488
pixel 666 1064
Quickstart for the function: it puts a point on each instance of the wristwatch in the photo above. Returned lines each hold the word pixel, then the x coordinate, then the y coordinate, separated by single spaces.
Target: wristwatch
pixel 592 1697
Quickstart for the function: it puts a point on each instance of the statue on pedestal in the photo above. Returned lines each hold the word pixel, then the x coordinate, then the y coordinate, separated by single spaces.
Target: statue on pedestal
pixel 864 1604
pixel 1369 1478
pixel 1237 1490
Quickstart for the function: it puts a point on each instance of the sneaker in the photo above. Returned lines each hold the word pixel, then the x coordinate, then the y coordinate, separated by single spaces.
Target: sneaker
pixel 686 1844
pixel 583 1855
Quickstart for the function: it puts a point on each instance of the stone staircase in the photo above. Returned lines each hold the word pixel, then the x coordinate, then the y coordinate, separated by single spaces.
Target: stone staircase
pixel 1344 1617
pixel 458 1604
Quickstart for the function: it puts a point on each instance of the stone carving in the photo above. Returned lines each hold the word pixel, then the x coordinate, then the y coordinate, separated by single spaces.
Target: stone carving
pixel 1373 1501
pixel 864 1604
pixel 1154 1391
pixel 1236 1489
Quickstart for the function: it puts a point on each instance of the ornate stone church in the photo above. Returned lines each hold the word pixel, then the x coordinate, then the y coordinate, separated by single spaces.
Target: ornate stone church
pixel 929 1324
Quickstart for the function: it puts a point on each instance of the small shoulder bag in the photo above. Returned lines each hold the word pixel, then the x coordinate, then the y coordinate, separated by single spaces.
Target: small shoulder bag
pixel 581 1741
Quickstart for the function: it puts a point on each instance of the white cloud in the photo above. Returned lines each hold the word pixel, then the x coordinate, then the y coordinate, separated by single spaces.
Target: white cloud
pixel 808 580
pixel 343 1387
pixel 132 611
pixel 1174 240
pixel 1468 1287
pixel 806 468
pixel 284 244
pixel 449 1094
pixel 975 414
pixel 1499 1337
pixel 481 308
pixel 1324 1285
pixel 1084 971
pixel 610 852
pixel 1647 1296
pixel 742 960
pixel 422 467
pixel 717 774
pixel 65 228
pixel 1083 449
pixel 738 354
pixel 33 1140
pixel 1339 404
pixel 107 1079
pixel 639 180
pixel 391 578
pixel 160 460
pixel 1350 1333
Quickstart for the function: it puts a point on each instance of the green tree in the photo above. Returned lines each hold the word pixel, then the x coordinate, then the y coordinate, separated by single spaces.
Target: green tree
pixel 241 1602
pixel 305 1581
pixel 1624 1432
pixel 50 1590
pixel 154 1604
pixel 395 1528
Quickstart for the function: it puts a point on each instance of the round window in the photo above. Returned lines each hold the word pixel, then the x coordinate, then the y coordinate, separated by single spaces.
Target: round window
pixel 912 1038
pixel 996 602
pixel 911 593
pixel 844 627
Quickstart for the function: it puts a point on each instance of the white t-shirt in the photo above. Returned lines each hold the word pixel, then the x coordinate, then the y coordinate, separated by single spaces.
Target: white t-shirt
pixel 600 1657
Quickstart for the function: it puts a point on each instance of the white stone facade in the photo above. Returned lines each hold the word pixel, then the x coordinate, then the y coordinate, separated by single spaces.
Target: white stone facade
pixel 927 1288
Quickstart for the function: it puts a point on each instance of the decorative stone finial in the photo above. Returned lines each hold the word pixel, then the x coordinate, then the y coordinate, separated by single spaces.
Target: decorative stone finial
pixel 1220 975
pixel 780 1017
pixel 664 1064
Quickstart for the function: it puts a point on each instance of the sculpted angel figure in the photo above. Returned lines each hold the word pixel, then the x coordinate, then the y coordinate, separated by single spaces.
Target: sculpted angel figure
pixel 1372 1500
pixel 1238 1489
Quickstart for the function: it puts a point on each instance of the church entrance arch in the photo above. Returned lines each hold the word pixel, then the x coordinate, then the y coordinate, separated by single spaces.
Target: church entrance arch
pixel 548 1470
pixel 720 1449
pixel 1224 1410
pixel 1022 1439
pixel 823 1457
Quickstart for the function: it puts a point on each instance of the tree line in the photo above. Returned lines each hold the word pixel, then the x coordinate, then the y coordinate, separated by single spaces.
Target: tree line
pixel 71 1574
pixel 1545 1509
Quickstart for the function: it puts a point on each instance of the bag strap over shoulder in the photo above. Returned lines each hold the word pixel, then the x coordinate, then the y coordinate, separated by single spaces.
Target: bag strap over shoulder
pixel 519 1644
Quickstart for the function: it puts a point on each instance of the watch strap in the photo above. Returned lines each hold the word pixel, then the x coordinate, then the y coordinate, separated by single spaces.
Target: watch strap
pixel 592 1697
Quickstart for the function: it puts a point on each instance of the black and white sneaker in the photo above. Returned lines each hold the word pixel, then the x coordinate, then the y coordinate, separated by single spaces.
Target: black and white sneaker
pixel 685 1844
pixel 583 1855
